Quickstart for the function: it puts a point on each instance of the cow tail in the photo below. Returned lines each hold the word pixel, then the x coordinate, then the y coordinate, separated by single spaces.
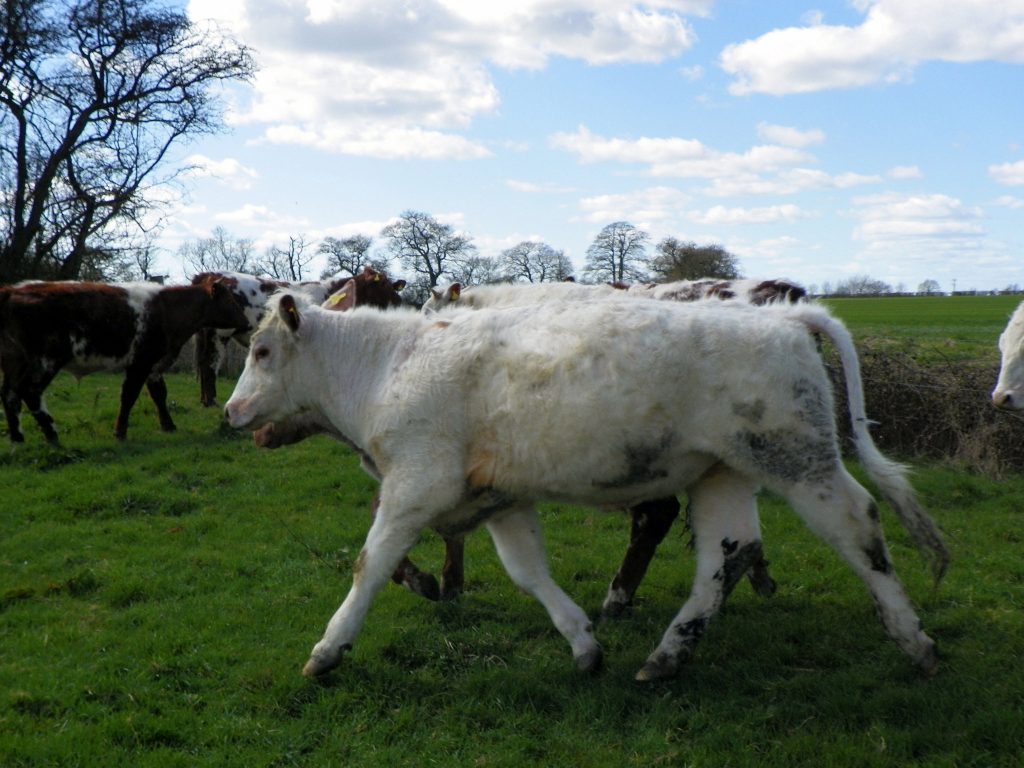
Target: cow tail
pixel 889 476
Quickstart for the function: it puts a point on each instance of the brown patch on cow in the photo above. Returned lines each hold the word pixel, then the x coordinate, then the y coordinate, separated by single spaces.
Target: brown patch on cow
pixel 771 291
pixel 481 461
pixel 358 565
pixel 441 324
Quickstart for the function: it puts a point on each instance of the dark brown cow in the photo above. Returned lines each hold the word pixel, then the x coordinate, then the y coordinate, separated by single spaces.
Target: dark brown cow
pixel 252 292
pixel 84 327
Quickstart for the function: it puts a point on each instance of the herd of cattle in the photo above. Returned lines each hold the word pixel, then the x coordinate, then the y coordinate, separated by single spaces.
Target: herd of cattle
pixel 487 401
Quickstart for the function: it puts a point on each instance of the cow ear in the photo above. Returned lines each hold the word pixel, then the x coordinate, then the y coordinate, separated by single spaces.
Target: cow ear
pixel 289 312
pixel 399 285
pixel 343 298
pixel 453 292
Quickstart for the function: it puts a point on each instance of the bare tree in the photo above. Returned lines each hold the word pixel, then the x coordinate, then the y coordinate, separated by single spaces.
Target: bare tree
pixel 617 254
pixel 477 270
pixel 426 248
pixel 347 256
pixel 862 285
pixel 685 260
pixel 535 262
pixel 929 287
pixel 93 93
pixel 286 263
pixel 221 252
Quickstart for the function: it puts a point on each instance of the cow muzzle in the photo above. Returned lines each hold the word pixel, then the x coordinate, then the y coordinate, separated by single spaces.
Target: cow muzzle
pixel 1006 400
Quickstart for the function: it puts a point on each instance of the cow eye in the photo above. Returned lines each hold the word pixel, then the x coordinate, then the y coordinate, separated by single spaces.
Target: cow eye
pixel 261 353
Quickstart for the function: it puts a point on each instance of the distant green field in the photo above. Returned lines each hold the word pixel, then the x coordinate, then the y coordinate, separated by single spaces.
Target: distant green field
pixel 959 327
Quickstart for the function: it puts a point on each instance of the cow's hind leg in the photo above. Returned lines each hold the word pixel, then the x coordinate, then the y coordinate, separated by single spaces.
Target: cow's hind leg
pixel 453 571
pixel 727 540
pixel 37 407
pixel 650 523
pixel 517 538
pixel 12 412
pixel 843 513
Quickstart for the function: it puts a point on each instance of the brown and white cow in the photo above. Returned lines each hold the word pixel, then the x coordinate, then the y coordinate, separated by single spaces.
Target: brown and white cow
pixel 251 293
pixel 84 327
pixel 473 418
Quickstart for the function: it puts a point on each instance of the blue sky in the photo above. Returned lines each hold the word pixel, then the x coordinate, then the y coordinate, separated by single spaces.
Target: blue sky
pixel 815 140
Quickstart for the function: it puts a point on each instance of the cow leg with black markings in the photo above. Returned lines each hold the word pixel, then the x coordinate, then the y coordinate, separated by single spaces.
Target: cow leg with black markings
pixel 847 518
pixel 517 538
pixel 727 539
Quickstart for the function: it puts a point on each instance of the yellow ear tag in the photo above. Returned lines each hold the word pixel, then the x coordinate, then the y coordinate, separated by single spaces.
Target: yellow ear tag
pixel 455 295
pixel 293 312
pixel 337 298
pixel 376 278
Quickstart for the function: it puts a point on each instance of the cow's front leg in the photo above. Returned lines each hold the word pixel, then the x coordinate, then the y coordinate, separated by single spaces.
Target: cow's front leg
pixel 130 389
pixel 727 539
pixel 518 541
pixel 391 536
pixel 157 388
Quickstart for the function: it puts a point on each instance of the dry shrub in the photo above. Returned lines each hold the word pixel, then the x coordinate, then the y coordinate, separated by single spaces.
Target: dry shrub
pixel 934 410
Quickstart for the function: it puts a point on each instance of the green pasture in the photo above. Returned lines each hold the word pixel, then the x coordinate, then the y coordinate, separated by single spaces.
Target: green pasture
pixel 931 327
pixel 159 597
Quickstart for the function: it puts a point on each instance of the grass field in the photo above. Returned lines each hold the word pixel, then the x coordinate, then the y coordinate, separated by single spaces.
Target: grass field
pixel 159 597
pixel 933 327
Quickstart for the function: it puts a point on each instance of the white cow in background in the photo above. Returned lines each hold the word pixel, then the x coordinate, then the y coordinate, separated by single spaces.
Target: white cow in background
pixel 473 418
pixel 1009 391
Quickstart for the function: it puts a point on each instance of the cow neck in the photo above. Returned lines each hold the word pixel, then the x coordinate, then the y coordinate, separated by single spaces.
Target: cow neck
pixel 356 352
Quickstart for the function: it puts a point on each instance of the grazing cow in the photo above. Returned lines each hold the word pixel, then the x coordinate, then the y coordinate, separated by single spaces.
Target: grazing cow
pixel 252 292
pixel 1009 391
pixel 474 417
pixel 651 520
pixel 85 327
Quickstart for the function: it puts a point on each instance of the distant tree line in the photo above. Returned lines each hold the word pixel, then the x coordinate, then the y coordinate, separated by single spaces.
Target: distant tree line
pixel 427 252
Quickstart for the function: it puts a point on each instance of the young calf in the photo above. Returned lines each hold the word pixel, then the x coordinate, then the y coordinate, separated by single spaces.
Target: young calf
pixel 475 417
pixel 85 327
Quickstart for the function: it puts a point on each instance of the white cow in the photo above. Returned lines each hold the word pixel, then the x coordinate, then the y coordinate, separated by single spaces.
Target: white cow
pixel 1009 391
pixel 474 417
pixel 652 519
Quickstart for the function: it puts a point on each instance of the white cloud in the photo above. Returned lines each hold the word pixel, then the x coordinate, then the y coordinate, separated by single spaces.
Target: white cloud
pixel 532 188
pixel 228 171
pixel 676 157
pixel 1011 174
pixel 1009 201
pixel 719 214
pixel 904 172
pixel 942 220
pixel 364 77
pixel 789 137
pixel 643 208
pixel 895 37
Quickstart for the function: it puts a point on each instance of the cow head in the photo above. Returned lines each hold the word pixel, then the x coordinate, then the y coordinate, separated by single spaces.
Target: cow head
pixel 373 287
pixel 442 299
pixel 223 311
pixel 264 392
pixel 1009 391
